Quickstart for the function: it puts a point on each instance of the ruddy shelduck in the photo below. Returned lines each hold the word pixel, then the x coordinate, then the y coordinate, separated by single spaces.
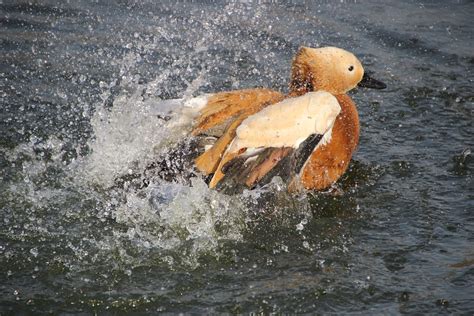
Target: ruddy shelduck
pixel 308 135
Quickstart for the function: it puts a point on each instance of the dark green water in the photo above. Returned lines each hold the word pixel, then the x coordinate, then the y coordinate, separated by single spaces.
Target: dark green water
pixel 80 83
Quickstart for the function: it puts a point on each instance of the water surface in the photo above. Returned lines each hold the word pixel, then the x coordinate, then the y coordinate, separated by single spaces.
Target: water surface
pixel 80 83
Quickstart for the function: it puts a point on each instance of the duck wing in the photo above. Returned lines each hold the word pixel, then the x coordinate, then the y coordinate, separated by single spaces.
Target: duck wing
pixel 291 128
pixel 220 107
pixel 222 114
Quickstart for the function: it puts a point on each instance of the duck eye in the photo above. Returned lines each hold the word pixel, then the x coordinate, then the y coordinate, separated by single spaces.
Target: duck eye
pixel 351 68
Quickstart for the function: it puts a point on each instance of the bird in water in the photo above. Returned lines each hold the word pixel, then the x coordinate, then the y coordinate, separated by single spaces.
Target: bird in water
pixel 307 136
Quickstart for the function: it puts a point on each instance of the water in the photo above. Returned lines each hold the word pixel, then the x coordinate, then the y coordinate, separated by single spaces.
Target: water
pixel 81 84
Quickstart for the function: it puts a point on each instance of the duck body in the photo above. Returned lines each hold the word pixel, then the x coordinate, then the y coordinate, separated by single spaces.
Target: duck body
pixel 330 160
pixel 262 131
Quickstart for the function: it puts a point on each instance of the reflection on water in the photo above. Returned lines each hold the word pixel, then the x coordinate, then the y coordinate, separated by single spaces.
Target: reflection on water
pixel 83 117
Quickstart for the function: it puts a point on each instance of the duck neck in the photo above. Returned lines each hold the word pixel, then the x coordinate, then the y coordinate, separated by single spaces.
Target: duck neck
pixel 296 92
pixel 301 78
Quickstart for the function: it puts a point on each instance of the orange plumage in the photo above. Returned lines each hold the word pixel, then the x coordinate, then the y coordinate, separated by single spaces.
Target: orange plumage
pixel 328 69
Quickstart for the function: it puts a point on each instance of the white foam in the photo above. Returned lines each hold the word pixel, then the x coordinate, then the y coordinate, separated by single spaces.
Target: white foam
pixel 130 135
pixel 188 111
pixel 170 215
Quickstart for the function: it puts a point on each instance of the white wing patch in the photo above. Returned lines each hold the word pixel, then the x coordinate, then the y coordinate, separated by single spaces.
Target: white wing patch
pixel 326 137
pixel 288 123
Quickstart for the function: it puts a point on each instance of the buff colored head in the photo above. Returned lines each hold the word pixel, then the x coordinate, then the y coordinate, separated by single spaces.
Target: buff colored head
pixel 330 69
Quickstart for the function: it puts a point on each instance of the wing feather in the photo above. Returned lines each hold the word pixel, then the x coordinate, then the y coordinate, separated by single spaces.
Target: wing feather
pixel 223 106
pixel 289 122
pixel 228 108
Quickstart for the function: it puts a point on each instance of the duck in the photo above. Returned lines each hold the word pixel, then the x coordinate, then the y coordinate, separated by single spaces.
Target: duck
pixel 307 135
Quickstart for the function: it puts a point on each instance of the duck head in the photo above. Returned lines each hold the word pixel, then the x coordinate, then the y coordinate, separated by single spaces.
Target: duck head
pixel 331 69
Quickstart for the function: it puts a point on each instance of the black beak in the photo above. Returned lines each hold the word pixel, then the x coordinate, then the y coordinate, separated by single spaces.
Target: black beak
pixel 369 82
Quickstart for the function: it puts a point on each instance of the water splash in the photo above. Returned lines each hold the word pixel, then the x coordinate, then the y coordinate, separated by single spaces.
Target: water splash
pixel 127 138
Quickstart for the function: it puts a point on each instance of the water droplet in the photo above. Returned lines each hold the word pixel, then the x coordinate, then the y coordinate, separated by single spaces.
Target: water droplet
pixel 34 252
pixel 404 297
pixel 442 302
pixel 300 226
